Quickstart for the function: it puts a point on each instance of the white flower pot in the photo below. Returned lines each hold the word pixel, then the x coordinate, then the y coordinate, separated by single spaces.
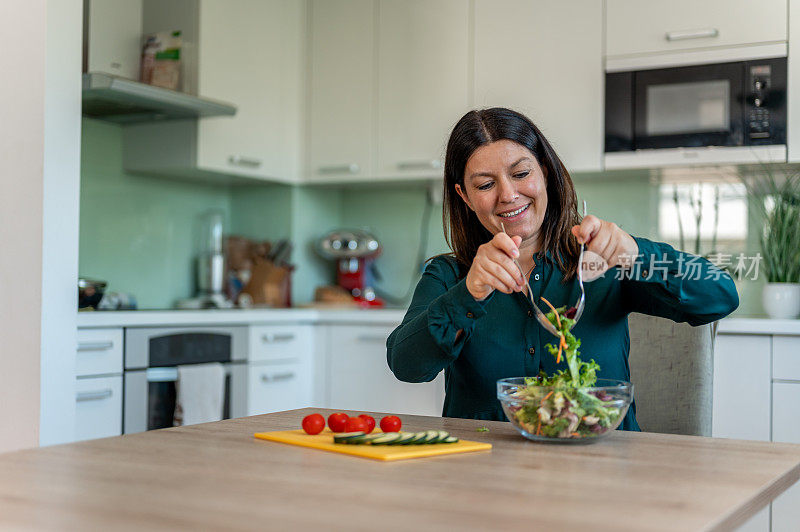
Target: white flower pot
pixel 781 300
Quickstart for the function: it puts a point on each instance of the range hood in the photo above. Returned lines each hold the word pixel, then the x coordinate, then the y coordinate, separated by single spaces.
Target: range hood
pixel 124 101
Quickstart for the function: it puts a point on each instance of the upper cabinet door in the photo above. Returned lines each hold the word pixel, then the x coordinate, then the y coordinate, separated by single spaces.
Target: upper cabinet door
pixel 342 96
pixel 250 54
pixel 635 27
pixel 544 59
pixel 423 82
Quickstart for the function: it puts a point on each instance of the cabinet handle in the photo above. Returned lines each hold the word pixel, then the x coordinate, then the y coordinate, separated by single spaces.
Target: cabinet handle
pixel 692 34
pixel 433 164
pixel 278 377
pixel 239 160
pixel 371 338
pixel 94 396
pixel 170 373
pixel 351 168
pixel 277 338
pixel 95 346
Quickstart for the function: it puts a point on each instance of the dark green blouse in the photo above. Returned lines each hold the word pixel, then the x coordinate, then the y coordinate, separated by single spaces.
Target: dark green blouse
pixel 502 338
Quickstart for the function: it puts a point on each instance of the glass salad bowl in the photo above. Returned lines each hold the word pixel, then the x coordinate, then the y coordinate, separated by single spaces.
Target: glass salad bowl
pixel 564 414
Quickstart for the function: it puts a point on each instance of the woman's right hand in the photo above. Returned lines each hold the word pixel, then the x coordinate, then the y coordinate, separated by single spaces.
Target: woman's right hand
pixel 493 267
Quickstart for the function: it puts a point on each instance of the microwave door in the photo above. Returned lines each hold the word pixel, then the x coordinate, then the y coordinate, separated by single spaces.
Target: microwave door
pixel 689 106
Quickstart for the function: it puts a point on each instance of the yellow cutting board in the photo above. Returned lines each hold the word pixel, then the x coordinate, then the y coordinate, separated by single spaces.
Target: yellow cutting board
pixel 324 441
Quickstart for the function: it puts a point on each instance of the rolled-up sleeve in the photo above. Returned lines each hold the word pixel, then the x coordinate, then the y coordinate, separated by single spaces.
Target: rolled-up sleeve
pixel 425 342
pixel 676 285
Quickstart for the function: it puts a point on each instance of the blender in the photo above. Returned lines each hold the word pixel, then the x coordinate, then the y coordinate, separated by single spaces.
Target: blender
pixel 209 266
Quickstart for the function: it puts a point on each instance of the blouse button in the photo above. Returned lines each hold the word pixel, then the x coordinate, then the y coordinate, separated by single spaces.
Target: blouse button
pixel 469 315
pixel 644 274
pixel 531 350
pixel 530 313
pixel 536 277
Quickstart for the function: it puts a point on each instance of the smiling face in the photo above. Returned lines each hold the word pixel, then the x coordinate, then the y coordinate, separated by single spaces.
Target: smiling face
pixel 503 183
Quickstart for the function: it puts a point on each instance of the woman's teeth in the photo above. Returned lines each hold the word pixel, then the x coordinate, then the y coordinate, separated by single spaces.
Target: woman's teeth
pixel 514 213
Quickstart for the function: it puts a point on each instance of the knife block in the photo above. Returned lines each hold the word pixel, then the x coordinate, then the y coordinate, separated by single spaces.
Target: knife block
pixel 269 285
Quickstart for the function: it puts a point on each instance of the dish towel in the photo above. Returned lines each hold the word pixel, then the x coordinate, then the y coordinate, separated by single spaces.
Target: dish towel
pixel 200 393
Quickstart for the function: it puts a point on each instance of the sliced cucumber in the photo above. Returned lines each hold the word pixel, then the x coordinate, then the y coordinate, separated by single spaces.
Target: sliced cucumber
pixel 450 439
pixel 443 435
pixel 405 437
pixel 431 436
pixel 418 438
pixel 386 439
pixel 345 437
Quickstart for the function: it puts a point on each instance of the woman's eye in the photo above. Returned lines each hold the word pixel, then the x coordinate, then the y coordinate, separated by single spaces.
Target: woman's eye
pixel 522 175
pixel 485 186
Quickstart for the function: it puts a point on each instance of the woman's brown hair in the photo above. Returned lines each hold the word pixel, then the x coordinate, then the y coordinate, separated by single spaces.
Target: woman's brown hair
pixel 463 231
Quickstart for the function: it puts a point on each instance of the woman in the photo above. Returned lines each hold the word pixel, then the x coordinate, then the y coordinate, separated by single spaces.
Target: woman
pixel 470 315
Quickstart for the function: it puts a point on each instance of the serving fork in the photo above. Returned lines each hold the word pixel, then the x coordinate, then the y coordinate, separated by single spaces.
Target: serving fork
pixel 579 306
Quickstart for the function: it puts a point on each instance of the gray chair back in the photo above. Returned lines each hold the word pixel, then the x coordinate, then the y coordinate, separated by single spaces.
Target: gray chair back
pixel 672 371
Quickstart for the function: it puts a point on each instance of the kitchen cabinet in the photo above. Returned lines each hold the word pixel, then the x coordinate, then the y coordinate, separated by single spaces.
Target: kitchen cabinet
pixel 360 378
pixel 423 83
pixel 636 27
pixel 341 143
pixel 544 59
pixel 280 368
pixel 742 387
pixel 277 387
pixel 98 384
pixel 250 53
pixel 98 409
pixel 757 396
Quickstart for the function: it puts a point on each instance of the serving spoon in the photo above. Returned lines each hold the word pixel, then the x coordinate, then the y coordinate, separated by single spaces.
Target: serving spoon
pixel 540 317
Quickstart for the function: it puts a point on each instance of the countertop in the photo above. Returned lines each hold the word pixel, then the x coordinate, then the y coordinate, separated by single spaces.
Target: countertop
pixel 146 318
pixel 217 476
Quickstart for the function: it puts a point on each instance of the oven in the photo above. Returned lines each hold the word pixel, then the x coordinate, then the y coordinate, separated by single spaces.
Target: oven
pixel 152 355
pixel 738 104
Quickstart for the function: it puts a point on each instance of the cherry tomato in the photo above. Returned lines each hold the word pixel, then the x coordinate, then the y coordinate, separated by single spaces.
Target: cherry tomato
pixel 355 424
pixel 391 424
pixel 370 421
pixel 313 424
pixel 337 421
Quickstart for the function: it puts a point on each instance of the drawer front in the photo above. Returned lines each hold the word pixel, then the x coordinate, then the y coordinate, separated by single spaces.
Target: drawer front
pixel 99 352
pixel 98 407
pixel 281 342
pixel 278 387
pixel 633 26
pixel 785 405
pixel 786 357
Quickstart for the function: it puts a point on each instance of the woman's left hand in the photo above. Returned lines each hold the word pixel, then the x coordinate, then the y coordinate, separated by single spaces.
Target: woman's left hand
pixel 613 245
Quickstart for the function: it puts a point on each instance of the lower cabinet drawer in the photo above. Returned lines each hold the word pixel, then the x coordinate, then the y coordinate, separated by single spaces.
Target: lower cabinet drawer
pixel 98 408
pixel 786 357
pixel 278 387
pixel 99 352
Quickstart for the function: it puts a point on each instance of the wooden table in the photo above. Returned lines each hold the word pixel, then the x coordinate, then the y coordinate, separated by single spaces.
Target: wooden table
pixel 217 476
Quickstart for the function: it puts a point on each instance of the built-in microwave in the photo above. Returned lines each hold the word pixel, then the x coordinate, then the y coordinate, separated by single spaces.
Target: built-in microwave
pixel 739 106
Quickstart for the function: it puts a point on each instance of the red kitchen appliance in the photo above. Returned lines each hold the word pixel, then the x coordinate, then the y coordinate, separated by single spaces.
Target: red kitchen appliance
pixel 353 251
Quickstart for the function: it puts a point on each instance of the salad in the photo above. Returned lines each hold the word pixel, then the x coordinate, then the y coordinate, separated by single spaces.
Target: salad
pixel 564 405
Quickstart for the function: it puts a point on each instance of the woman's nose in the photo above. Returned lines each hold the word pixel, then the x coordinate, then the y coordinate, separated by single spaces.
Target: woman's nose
pixel 508 192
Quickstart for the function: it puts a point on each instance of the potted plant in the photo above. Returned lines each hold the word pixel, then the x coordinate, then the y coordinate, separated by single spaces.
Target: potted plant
pixel 777 200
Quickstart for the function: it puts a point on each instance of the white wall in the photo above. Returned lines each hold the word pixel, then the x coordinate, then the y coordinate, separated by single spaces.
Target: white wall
pixel 61 197
pixel 22 22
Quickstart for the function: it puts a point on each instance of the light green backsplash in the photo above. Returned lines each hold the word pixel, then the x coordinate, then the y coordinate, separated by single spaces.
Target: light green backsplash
pixel 631 203
pixel 315 211
pixel 139 233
